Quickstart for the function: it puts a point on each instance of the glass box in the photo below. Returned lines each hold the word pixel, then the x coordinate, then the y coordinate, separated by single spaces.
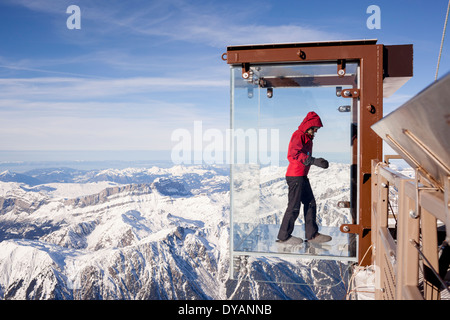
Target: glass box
pixel 268 103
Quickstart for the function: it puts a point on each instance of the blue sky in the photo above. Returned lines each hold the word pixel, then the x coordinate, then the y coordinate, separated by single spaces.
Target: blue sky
pixel 138 70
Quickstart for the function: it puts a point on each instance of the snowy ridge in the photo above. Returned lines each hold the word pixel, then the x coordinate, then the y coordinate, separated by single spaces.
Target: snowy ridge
pixel 164 234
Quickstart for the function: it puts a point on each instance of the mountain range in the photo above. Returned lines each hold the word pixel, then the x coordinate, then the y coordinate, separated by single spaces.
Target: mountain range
pixel 150 233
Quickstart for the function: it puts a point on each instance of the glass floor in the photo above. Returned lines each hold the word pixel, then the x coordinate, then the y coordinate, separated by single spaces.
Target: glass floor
pixel 262 240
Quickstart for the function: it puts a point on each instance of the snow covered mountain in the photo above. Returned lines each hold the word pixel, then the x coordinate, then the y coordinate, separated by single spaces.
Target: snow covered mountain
pixel 156 233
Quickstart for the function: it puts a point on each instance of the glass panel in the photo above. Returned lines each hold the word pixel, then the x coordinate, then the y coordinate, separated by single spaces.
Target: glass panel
pixel 267 108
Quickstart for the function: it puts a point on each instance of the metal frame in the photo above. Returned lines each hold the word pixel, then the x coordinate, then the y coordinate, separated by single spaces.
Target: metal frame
pixel 374 68
pixel 420 137
pixel 397 260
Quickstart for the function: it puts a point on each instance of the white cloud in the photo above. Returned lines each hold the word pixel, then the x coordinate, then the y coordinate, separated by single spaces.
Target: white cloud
pixel 216 24
pixel 71 133
pixel 129 110
pixel 95 125
pixel 221 34
pixel 64 88
pixel 62 130
pixel 213 27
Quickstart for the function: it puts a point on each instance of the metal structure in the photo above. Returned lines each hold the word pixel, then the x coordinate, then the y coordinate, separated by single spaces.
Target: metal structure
pixel 380 71
pixel 419 131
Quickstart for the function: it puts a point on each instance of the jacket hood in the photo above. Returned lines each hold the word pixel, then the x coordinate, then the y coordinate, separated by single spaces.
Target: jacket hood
pixel 311 120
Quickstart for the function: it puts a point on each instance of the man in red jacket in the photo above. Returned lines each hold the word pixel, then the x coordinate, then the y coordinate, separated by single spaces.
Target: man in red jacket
pixel 300 161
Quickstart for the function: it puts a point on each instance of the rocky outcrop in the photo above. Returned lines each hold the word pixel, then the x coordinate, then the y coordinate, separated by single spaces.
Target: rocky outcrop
pixel 19 205
pixel 102 196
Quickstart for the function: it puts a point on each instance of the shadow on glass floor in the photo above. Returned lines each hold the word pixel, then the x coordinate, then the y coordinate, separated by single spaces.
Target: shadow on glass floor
pixel 261 239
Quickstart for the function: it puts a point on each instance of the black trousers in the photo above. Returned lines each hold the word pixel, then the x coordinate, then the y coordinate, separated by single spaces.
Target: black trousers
pixel 300 192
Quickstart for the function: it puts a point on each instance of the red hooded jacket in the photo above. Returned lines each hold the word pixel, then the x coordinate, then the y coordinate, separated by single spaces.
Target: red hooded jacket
pixel 300 146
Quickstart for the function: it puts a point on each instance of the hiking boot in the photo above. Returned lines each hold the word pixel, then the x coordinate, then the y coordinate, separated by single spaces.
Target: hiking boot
pixel 320 238
pixel 291 240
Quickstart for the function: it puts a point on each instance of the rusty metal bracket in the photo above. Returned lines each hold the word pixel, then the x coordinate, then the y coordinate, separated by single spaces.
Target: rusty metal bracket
pixel 245 70
pixel 350 228
pixel 341 68
pixel 350 93
pixel 363 232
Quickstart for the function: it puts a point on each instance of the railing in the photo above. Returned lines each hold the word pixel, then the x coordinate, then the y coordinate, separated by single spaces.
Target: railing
pixel 406 257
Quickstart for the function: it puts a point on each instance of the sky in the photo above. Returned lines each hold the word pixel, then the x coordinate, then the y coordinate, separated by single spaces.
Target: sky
pixel 137 71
